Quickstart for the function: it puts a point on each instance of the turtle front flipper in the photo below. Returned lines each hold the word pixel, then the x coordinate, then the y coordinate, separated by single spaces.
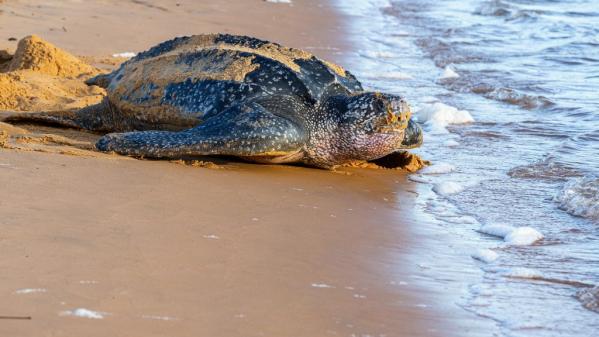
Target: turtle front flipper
pixel 98 117
pixel 249 131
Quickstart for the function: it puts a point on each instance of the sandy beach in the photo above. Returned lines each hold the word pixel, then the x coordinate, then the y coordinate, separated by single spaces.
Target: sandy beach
pixel 155 248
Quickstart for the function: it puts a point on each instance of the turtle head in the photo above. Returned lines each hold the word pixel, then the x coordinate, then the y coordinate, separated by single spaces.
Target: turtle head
pixel 379 124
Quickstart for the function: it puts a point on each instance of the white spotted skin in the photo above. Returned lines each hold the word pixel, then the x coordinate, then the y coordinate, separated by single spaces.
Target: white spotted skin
pixel 282 129
pixel 347 129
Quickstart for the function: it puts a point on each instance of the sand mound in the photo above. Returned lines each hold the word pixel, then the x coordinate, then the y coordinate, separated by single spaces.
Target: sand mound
pixel 40 76
pixel 35 54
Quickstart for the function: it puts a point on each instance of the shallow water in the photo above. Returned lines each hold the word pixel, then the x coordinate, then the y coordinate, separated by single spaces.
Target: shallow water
pixel 528 74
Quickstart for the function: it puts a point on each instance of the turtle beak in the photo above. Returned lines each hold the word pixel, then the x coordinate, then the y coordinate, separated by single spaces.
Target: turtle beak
pixel 412 136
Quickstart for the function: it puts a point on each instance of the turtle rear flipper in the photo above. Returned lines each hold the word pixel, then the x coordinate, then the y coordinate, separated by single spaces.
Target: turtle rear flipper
pixel 97 117
pixel 248 131
pixel 66 118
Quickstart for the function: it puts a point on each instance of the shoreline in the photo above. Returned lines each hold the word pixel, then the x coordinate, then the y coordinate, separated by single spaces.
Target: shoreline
pixel 300 252
pixel 481 180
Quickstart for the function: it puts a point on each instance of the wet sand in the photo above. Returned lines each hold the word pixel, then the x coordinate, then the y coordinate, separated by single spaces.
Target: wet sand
pixel 245 250
pixel 242 251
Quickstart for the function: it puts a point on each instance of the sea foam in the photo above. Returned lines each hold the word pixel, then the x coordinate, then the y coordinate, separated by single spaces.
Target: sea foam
pixel 379 54
pixel 451 143
pixel 523 236
pixel 580 197
pixel 485 255
pixel 448 73
pixel 419 178
pixel 126 54
pixel 438 115
pixel 159 318
pixel 499 230
pixel 30 290
pixel 439 168
pixel 85 313
pixel 522 272
pixel 515 236
pixel 390 75
pixel 448 188
pixel 321 285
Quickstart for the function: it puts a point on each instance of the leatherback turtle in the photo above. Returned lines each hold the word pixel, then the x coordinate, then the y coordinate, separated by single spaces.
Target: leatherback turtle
pixel 223 94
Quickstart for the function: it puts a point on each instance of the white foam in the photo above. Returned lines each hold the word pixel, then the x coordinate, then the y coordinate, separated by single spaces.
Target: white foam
pixel 321 285
pixel 385 54
pixel 436 116
pixel 419 179
pixel 160 318
pixel 523 236
pixel 485 255
pixel 85 313
pixel 30 290
pixel 127 54
pixel 456 219
pixel 521 272
pixel 448 188
pixel 438 168
pixel 379 54
pixel 390 75
pixel 580 197
pixel 279 1
pixel 448 73
pixel 443 114
pixel 499 230
pixel 211 237
pixel 451 143
pixel 516 236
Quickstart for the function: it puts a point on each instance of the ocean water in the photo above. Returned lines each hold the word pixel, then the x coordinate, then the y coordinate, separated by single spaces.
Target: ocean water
pixel 508 94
